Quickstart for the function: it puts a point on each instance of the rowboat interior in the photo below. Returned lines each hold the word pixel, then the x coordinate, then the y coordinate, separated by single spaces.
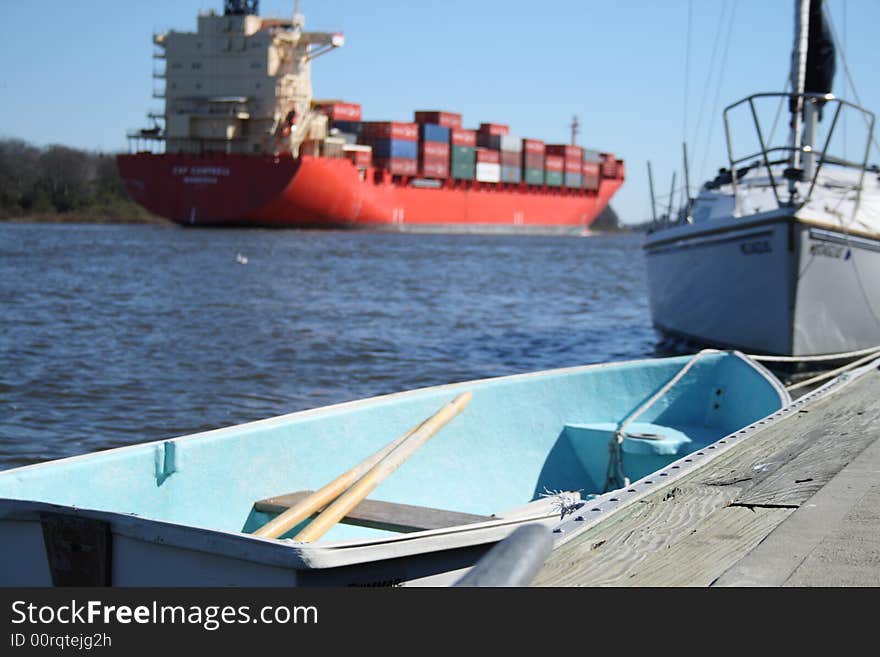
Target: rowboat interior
pixel 519 439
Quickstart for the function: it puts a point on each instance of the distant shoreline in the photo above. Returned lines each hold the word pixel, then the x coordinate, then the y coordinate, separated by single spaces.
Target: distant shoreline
pixel 86 218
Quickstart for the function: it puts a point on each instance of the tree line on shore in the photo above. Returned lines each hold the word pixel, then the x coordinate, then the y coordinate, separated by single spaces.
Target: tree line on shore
pixel 58 182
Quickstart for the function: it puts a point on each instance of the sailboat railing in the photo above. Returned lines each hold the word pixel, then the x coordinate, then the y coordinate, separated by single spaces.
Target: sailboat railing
pixel 789 151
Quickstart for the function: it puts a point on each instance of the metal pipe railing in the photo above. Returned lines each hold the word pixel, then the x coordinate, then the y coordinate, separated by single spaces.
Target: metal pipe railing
pixel 792 150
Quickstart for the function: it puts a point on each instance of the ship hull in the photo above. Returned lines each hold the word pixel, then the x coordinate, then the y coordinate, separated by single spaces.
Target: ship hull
pixel 307 192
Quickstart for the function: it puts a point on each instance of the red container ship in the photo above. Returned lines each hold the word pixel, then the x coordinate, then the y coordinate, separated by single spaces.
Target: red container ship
pixel 242 142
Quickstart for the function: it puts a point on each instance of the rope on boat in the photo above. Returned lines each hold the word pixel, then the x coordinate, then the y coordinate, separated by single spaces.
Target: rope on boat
pixel 563 501
pixel 831 374
pixel 614 476
pixel 814 359
pixel 862 355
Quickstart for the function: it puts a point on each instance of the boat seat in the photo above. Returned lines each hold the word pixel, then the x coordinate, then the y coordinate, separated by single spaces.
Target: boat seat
pixel 647 438
pixel 376 514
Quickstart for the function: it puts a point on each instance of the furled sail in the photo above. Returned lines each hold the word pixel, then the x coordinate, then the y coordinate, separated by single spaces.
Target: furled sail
pixel 821 62
pixel 815 72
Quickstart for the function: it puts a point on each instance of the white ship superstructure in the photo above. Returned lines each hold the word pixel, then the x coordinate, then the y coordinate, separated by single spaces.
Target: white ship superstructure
pixel 239 84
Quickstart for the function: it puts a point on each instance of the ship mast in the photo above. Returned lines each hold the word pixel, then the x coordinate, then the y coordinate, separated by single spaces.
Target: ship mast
pixel 575 129
pixel 298 18
pixel 798 78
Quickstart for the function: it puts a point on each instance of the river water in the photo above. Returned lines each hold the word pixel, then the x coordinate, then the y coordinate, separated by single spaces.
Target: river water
pixel 113 335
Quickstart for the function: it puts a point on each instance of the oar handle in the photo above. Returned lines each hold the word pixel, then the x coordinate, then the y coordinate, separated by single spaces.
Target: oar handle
pixel 393 460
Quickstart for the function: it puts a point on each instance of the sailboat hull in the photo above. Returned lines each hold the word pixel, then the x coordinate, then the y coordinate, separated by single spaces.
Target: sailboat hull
pixel 768 284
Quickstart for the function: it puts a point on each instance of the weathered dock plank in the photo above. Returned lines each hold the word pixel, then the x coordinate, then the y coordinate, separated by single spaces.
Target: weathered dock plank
pixel 850 556
pixel 827 453
pixel 832 540
pixel 607 553
pixel 692 531
pixel 724 537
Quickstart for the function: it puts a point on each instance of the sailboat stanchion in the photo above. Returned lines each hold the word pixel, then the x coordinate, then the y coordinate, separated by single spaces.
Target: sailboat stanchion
pixel 393 460
pixel 653 204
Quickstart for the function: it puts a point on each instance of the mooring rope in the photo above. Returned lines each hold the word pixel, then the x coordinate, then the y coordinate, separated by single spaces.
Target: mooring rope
pixel 814 359
pixel 862 355
pixel 831 374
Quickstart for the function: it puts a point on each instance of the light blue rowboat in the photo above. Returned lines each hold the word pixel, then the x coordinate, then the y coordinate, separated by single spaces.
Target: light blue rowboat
pixel 182 511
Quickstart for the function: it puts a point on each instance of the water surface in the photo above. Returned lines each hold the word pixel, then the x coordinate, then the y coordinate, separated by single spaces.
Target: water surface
pixel 113 335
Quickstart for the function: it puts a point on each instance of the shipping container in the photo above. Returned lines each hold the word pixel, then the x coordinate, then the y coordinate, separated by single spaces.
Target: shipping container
pixel 591 176
pixel 485 140
pixel 434 168
pixel 351 127
pixel 446 119
pixel 511 144
pixel 509 159
pixel 553 178
pixel 567 151
pixel 574 180
pixel 395 148
pixel 494 129
pixel 590 169
pixel 462 170
pixel 434 149
pixel 592 156
pixel 554 163
pixel 338 111
pixel 488 156
pixel 361 156
pixel 511 174
pixel 533 160
pixel 534 147
pixel 534 176
pixel 398 166
pixel 462 137
pixel 431 132
pixel 488 172
pixel 390 130
pixel 463 154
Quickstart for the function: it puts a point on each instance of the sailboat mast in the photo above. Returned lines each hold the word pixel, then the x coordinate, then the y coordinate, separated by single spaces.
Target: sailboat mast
pixel 798 78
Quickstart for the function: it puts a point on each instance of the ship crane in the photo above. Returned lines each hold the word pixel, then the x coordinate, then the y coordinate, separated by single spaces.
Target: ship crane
pixel 295 120
pixel 325 41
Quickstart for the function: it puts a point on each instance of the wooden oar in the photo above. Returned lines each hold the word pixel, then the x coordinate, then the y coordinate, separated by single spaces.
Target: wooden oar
pixel 366 484
pixel 323 496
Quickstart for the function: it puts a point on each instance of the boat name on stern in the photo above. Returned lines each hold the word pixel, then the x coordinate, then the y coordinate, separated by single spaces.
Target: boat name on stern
pixel 758 247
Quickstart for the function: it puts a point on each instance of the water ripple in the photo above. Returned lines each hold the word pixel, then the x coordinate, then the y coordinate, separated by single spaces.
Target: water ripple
pixel 113 335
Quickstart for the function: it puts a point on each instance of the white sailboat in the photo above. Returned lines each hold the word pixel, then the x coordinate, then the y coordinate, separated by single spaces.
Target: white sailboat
pixel 779 254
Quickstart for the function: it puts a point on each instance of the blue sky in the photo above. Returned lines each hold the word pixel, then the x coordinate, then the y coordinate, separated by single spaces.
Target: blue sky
pixel 79 73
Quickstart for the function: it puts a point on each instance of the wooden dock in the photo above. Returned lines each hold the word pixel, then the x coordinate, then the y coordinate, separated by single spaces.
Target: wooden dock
pixel 794 503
